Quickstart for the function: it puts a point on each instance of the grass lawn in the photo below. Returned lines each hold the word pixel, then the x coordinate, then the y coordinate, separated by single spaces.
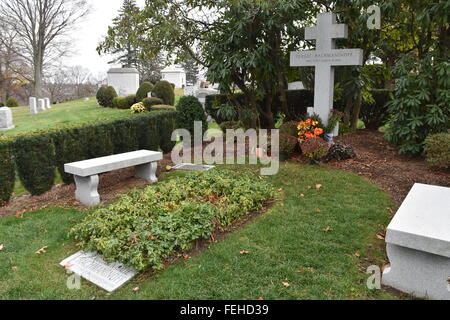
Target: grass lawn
pixel 287 239
pixel 73 112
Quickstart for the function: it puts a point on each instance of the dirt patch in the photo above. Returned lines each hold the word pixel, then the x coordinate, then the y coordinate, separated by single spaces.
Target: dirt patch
pixel 380 162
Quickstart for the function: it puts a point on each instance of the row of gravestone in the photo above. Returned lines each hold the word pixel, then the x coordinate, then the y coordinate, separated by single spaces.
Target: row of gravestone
pixel 39 105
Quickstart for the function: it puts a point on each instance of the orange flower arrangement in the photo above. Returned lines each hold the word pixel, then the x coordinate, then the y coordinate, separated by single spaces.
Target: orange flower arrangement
pixel 309 129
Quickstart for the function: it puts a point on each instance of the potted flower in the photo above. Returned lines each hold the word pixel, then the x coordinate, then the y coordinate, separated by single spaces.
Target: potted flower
pixel 309 129
pixel 332 129
pixel 315 149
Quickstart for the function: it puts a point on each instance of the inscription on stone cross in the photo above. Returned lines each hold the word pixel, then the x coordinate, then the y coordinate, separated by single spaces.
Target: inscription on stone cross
pixel 325 58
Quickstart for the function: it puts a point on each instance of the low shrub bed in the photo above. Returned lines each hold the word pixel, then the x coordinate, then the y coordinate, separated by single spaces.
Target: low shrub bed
pixel 144 228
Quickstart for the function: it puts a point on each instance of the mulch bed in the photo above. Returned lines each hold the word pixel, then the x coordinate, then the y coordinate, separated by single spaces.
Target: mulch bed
pixel 380 162
pixel 376 160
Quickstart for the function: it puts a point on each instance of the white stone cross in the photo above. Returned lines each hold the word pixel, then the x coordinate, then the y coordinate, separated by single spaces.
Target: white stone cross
pixel 325 58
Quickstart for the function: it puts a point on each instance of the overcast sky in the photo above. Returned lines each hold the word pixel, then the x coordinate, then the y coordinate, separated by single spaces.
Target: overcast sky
pixel 88 34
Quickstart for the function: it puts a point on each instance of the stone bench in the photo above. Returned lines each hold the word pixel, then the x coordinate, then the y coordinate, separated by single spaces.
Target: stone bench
pixel 86 172
pixel 418 244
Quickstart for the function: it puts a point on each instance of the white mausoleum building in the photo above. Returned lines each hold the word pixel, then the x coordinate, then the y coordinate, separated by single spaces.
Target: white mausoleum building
pixel 124 80
pixel 175 75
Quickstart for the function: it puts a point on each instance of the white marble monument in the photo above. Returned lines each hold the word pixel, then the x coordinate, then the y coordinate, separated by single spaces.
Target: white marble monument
pixel 297 85
pixel 41 105
pixel 47 103
pixel 175 75
pixel 325 58
pixel 33 105
pixel 190 91
pixel 124 80
pixel 6 119
pixel 418 244
pixel 201 95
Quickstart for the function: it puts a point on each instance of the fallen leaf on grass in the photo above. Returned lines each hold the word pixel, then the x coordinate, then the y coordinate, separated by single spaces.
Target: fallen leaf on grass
pixel 318 211
pixel 302 195
pixel 286 284
pixel 260 299
pixel 327 229
pixel 1 247
pixel 42 250
pixel 14 268
pixel 381 236
pixel 301 271
pixel 186 256
pixel 357 255
pixel 310 269
pixel 169 168
pixel 318 186
pixel 390 211
pixel 244 252
pixel 136 289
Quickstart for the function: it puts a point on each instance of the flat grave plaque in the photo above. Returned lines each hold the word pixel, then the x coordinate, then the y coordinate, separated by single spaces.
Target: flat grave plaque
pixel 192 167
pixel 92 267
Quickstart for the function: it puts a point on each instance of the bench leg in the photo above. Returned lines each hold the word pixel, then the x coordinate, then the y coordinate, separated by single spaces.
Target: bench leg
pixel 86 191
pixel 147 172
pixel 422 274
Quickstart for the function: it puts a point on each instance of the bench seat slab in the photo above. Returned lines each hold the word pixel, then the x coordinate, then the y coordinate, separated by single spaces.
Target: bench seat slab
pixel 110 163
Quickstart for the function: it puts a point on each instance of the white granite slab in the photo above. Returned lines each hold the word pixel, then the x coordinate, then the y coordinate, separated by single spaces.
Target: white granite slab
pixel 193 167
pixel 92 267
pixel 423 221
pixel 115 162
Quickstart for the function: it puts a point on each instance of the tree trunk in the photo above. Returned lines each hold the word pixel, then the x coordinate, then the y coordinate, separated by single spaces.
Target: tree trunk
pixel 356 110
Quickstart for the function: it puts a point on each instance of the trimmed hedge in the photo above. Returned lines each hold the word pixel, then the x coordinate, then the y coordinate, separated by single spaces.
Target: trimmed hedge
pixel 190 110
pixel 143 91
pixel 105 96
pixel 7 171
pixel 150 102
pixel 12 102
pixel 37 155
pixel 120 103
pixel 35 161
pixel 165 91
pixel 374 114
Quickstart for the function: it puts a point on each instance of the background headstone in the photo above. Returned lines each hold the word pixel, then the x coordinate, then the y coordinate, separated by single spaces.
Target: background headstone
pixel 47 103
pixel 6 120
pixel 190 91
pixel 33 105
pixel 298 85
pixel 201 94
pixel 175 75
pixel 124 80
pixel 41 105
